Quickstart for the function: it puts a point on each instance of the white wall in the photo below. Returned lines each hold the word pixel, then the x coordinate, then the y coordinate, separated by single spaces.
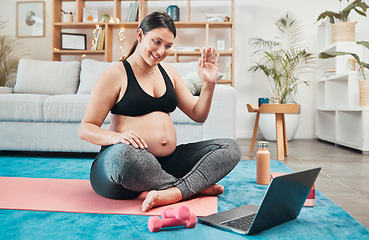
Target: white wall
pixel 256 19
pixel 253 19
pixel 38 47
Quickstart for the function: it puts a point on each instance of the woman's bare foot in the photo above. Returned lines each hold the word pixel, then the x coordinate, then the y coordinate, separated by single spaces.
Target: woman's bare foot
pixel 159 198
pixel 214 190
pixel 172 195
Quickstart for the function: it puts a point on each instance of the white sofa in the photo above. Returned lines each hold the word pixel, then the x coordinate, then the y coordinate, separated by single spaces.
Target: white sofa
pixel 44 109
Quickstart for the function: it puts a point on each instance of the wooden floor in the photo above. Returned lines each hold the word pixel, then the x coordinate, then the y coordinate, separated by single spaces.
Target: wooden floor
pixel 344 177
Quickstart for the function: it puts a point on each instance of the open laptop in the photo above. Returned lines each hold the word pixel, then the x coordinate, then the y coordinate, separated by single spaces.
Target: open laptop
pixel 282 202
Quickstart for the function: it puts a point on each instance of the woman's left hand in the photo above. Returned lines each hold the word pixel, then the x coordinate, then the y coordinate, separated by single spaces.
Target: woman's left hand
pixel 208 65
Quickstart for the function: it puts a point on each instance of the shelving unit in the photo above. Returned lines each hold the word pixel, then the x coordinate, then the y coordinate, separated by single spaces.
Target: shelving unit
pixel 340 119
pixel 107 53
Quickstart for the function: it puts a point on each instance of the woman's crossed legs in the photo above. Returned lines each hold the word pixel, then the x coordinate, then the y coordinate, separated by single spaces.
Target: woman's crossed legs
pixel 123 172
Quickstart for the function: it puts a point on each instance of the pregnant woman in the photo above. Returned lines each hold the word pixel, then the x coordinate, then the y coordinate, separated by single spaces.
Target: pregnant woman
pixel 139 150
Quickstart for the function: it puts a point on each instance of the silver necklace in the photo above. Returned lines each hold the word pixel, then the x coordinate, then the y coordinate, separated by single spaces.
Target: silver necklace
pixel 149 72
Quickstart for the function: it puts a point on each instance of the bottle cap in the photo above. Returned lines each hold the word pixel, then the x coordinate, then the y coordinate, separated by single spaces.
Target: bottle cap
pixel 263 144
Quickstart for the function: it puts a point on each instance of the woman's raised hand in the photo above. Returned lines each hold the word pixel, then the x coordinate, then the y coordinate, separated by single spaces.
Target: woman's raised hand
pixel 208 65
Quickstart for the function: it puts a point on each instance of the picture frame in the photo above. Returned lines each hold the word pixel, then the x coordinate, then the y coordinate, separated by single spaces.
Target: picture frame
pixel 31 19
pixel 73 41
pixel 220 44
pixel 90 15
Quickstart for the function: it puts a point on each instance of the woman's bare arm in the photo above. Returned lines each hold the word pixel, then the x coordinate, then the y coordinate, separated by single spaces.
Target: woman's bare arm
pixel 198 109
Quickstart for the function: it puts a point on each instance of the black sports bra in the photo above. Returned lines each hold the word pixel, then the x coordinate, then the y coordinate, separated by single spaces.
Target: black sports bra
pixel 136 102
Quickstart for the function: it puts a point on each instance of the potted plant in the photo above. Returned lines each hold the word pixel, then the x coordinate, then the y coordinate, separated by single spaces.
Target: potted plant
pixel 363 84
pixel 342 29
pixel 283 61
pixel 105 17
pixel 10 52
pixel 67 16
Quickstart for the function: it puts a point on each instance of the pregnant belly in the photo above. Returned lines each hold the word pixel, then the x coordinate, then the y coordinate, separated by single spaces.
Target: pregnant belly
pixel 156 129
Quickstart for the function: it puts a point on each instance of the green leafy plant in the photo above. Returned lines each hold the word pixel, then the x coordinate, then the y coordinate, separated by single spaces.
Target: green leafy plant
pixel 358 6
pixel 10 51
pixel 283 60
pixel 363 65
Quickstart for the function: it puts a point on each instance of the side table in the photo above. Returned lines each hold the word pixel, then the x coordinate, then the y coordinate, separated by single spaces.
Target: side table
pixel 279 110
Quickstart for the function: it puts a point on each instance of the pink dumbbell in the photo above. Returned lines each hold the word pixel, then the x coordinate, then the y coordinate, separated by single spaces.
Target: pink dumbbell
pixel 155 223
pixel 180 213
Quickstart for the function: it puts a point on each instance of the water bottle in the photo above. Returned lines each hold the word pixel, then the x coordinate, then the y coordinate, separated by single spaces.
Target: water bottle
pixel 263 164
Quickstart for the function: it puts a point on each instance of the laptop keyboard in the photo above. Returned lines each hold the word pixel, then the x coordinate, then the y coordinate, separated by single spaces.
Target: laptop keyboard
pixel 242 223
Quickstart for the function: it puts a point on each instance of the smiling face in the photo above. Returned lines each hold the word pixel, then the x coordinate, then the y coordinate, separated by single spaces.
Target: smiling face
pixel 155 45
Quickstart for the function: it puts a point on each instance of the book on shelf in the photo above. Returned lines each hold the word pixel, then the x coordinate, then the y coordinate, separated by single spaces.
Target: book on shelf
pixel 132 12
pixel 97 38
pixel 330 72
pixel 215 17
pixel 100 39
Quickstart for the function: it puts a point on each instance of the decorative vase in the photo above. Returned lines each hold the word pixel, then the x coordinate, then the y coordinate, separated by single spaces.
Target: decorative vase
pixel 364 92
pixel 343 32
pixel 173 12
pixel 268 129
pixel 67 18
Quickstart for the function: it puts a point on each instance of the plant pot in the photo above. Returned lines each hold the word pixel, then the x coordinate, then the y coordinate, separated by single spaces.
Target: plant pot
pixel 364 92
pixel 343 32
pixel 268 129
pixel 67 18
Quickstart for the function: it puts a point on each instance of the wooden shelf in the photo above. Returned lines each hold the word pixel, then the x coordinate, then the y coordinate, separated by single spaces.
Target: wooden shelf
pixel 71 52
pixel 93 25
pixel 197 53
pixel 76 25
pixel 143 10
pixel 203 24
pixel 135 24
pixel 225 81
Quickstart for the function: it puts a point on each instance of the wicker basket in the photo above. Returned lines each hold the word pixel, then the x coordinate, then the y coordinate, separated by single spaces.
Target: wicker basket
pixel 364 92
pixel 343 32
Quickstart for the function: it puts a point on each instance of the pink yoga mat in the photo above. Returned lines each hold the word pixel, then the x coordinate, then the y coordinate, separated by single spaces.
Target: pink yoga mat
pixel 72 195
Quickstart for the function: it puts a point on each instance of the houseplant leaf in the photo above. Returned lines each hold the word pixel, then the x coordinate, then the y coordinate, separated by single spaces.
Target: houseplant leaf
pixel 343 15
pixel 330 54
pixel 284 60
pixel 364 43
pixel 11 50
pixel 329 14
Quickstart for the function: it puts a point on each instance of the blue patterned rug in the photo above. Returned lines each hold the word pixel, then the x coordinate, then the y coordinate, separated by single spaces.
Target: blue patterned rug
pixel 325 220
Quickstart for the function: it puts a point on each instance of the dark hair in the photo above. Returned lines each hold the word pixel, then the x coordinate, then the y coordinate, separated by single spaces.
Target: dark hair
pixel 152 21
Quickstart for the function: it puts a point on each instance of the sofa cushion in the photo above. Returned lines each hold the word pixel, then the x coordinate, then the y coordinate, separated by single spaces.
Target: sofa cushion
pixel 188 72
pixel 90 72
pixel 47 77
pixel 194 82
pixel 178 117
pixel 21 107
pixel 185 68
pixel 66 108
pixel 4 90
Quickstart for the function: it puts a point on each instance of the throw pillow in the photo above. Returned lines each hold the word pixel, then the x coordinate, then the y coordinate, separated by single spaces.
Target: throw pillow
pixel 47 77
pixel 90 72
pixel 194 83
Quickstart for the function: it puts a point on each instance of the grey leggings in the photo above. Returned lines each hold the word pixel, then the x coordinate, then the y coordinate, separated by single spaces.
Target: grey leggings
pixel 121 171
